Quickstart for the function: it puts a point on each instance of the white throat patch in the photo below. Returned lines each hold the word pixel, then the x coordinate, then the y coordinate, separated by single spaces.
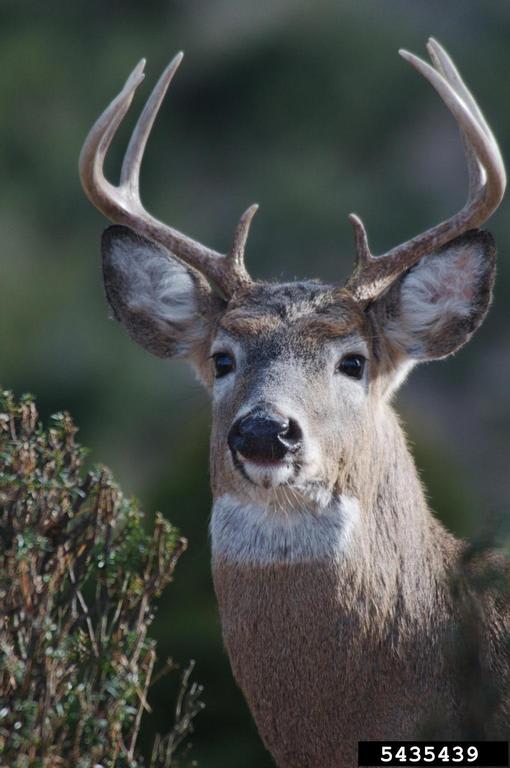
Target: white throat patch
pixel 248 533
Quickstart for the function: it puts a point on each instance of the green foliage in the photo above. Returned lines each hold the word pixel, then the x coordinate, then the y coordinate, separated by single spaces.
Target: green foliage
pixel 78 579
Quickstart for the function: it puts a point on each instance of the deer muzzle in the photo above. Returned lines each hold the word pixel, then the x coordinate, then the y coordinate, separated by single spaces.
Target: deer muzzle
pixel 265 437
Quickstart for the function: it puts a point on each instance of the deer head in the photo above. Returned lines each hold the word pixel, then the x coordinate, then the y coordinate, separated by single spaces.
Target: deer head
pixel 297 372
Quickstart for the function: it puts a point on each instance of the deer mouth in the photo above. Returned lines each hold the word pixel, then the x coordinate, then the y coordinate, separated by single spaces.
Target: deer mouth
pixel 265 472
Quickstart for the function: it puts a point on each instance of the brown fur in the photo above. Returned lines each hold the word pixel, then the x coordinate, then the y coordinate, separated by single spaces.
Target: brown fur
pixel 332 650
pixel 330 654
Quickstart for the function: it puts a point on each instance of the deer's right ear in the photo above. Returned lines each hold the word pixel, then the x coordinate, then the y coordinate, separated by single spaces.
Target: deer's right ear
pixel 164 305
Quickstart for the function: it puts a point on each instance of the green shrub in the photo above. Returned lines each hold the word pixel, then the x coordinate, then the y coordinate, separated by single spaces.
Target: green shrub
pixel 78 579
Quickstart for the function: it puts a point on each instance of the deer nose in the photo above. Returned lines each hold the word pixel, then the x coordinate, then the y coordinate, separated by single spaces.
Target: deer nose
pixel 265 437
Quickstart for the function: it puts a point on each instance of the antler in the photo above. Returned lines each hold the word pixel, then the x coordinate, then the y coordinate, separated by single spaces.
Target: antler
pixel 487 181
pixel 122 204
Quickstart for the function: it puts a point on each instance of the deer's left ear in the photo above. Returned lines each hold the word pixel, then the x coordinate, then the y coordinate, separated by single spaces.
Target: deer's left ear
pixel 435 307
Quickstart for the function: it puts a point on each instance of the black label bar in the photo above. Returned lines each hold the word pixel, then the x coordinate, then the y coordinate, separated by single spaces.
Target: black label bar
pixel 420 754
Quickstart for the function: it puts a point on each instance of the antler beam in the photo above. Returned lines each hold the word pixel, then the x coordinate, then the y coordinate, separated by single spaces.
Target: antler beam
pixel 122 204
pixel 487 181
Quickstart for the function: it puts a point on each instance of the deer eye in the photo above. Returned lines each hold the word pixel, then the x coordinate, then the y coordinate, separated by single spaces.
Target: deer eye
pixel 223 364
pixel 352 365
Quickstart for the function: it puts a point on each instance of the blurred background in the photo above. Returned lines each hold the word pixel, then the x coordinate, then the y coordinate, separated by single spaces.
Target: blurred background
pixel 305 108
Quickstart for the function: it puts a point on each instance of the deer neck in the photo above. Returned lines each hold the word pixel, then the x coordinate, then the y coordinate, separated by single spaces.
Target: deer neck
pixel 319 609
pixel 371 535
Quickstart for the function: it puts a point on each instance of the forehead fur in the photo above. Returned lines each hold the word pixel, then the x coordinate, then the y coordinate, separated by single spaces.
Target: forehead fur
pixel 313 307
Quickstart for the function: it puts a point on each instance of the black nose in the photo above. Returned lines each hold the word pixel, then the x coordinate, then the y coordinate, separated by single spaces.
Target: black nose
pixel 265 437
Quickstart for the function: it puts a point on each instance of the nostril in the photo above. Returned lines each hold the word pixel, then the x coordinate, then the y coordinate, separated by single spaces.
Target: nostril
pixel 236 434
pixel 282 427
pixel 291 436
pixel 245 426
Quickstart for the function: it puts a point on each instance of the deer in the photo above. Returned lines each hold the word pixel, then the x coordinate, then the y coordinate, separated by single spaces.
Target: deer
pixel 332 574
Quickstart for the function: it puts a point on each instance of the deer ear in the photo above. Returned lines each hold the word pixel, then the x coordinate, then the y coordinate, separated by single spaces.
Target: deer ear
pixel 437 306
pixel 162 303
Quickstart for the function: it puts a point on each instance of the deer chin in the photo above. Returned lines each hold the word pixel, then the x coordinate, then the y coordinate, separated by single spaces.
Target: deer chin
pixel 281 486
pixel 267 475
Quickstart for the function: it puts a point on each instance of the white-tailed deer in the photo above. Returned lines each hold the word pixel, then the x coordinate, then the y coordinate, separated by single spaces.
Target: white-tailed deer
pixel 332 575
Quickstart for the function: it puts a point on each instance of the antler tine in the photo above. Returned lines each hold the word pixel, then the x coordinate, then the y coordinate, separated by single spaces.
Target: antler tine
pixel 444 64
pixel 122 204
pixel 99 191
pixel 236 253
pixel 130 171
pixel 373 275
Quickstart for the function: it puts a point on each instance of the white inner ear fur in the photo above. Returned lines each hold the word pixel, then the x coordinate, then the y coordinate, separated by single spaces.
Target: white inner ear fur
pixel 441 287
pixel 155 283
